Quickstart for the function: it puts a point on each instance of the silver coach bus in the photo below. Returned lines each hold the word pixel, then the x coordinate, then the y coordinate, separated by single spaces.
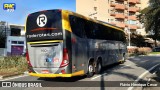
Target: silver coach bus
pixel 61 43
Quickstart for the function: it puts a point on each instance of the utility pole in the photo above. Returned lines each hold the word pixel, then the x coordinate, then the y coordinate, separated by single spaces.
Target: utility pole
pixel 129 32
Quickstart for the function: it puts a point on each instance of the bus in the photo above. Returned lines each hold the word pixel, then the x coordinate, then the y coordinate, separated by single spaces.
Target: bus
pixel 61 43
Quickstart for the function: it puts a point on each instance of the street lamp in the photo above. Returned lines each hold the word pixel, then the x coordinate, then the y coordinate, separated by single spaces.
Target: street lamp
pixel 129 32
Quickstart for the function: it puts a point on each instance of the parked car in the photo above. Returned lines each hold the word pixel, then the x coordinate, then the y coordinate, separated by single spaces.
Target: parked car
pixel 156 49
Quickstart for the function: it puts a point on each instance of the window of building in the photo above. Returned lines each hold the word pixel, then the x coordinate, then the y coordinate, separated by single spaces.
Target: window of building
pixel 14 42
pixel 95 8
pixel 95 18
pixel 111 20
pixel 131 22
pixel 119 2
pixel 20 42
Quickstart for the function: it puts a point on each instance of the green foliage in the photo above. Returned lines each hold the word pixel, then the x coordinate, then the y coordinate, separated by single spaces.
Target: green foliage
pixel 150 16
pixel 154 53
pixel 17 62
pixel 138 40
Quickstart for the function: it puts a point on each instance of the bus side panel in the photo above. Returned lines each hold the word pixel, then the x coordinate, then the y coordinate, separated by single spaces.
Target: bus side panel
pixel 80 53
pixel 68 45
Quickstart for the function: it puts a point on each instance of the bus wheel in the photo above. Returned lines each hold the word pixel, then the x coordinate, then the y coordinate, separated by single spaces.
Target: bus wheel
pixel 90 70
pixel 98 67
pixel 123 58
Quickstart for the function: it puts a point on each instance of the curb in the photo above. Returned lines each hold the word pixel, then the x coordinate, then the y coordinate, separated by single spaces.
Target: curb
pixel 145 55
pixel 153 54
pixel 12 75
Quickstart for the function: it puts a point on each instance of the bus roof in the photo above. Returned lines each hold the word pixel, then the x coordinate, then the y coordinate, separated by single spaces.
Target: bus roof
pixel 85 17
pixel 97 21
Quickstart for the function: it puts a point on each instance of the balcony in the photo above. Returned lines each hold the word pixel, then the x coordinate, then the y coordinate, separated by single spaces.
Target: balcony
pixel 133 9
pixel 138 9
pixel 112 13
pixel 120 6
pixel 132 1
pixel 121 0
pixel 119 15
pixel 119 24
pixel 122 25
pixel 113 23
pixel 132 26
pixel 138 1
pixel 112 4
pixel 132 17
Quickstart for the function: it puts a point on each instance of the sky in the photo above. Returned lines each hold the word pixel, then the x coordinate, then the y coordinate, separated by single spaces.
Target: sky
pixel 25 7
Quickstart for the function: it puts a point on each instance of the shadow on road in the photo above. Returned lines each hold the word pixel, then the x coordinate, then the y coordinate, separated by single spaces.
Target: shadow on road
pixel 61 79
pixel 144 62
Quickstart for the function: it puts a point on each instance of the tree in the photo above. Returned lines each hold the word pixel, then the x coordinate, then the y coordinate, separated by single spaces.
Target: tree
pixel 138 40
pixel 150 16
pixel 2 34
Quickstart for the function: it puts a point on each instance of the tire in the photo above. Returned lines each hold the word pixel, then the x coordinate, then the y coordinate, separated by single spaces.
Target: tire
pixel 98 67
pixel 90 72
pixel 123 59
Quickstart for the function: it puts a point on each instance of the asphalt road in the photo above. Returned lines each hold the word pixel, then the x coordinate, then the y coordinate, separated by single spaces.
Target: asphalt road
pixel 134 69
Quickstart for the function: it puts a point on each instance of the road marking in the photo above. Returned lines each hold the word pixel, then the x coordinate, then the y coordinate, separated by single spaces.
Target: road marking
pixel 98 76
pixel 154 72
pixel 142 75
pixel 106 73
pixel 126 66
pixel 10 78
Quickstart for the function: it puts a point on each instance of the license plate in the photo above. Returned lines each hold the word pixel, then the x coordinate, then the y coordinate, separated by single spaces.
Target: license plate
pixel 45 71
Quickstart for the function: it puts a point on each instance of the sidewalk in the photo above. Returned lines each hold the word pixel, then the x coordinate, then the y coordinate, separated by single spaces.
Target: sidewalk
pixel 155 78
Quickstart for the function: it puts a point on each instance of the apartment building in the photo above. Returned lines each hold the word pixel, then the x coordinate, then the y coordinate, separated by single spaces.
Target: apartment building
pixel 122 13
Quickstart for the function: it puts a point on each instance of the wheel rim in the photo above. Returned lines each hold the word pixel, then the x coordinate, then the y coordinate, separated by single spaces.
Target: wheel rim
pixel 123 58
pixel 99 67
pixel 90 68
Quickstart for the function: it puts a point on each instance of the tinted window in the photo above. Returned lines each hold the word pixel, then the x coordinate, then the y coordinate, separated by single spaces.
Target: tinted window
pixel 20 42
pixel 52 29
pixel 91 29
pixel 77 26
pixel 81 28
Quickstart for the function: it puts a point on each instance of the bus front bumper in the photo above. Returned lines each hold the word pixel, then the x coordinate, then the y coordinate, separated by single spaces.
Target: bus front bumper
pixel 79 73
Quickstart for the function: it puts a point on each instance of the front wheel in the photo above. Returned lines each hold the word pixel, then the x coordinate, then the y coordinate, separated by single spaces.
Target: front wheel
pixel 90 70
pixel 123 59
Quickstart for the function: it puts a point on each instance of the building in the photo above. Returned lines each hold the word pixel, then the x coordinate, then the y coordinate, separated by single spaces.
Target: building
pixel 16 45
pixel 141 30
pixel 122 13
pixel 12 38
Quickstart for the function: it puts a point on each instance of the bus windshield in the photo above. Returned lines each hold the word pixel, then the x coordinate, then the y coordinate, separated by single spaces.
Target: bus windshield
pixel 44 25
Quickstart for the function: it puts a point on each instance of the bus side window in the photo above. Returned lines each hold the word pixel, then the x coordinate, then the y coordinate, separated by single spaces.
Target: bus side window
pixel 89 30
pixel 77 26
